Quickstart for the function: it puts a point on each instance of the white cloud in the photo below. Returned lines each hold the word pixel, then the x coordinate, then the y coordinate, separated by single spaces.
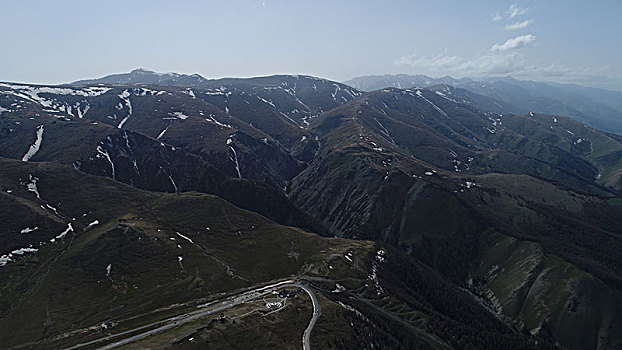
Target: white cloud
pixel 514 43
pixel 490 64
pixel 514 11
pixel 518 25
pixel 496 17
pixel 439 62
pixel 509 63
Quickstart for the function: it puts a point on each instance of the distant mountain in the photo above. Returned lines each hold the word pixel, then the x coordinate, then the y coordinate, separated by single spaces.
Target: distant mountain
pixel 144 76
pixel 598 108
pixel 400 81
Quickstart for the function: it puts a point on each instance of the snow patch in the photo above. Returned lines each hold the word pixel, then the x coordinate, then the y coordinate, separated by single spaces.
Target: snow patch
pixel 32 185
pixel 162 133
pixel 96 222
pixel 235 157
pixel 184 237
pixel 64 233
pixel 34 148
pixel 437 108
pixel 179 115
pixel 213 120
pixel 104 153
pixel 28 230
pixel 6 258
pixel 125 96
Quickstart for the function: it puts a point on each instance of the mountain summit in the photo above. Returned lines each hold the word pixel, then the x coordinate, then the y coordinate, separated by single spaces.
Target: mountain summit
pixel 145 76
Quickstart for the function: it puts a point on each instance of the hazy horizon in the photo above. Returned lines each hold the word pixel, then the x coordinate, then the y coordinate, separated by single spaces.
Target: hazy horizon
pixel 557 41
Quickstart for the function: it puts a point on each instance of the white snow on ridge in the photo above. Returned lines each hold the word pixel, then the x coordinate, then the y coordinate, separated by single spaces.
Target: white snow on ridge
pixel 162 133
pixel 91 91
pixel 235 159
pixel 438 109
pixel 334 94
pixel 32 94
pixel 81 112
pixel 24 250
pixel 32 185
pixel 95 91
pixel 189 92
pixel 173 182
pixel 384 130
pixel 96 222
pixel 28 230
pixel 52 209
pixel 213 120
pixel 184 237
pixel 34 148
pixel 179 115
pixel 145 92
pixel 125 96
pixel 469 184
pixel 63 234
pixel 4 259
pixel 104 153
pixel 266 101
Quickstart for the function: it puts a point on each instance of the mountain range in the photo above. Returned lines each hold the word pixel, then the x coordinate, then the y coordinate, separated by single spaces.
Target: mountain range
pixel 599 108
pixel 428 214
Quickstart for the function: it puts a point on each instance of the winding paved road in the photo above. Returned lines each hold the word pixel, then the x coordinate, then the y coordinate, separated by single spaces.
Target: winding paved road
pixel 207 309
pixel 306 344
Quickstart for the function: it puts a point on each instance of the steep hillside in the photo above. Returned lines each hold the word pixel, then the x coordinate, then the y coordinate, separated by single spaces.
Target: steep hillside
pixel 250 128
pixel 108 258
pixel 136 159
pixel 124 252
pixel 415 169
pixel 173 117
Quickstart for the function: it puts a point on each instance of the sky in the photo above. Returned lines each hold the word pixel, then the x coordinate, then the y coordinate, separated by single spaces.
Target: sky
pixel 567 41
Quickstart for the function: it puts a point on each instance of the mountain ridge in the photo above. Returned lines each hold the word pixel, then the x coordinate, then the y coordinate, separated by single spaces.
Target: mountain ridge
pixel 599 108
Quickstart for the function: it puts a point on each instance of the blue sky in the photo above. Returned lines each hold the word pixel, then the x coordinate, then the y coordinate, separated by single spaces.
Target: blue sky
pixel 553 40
